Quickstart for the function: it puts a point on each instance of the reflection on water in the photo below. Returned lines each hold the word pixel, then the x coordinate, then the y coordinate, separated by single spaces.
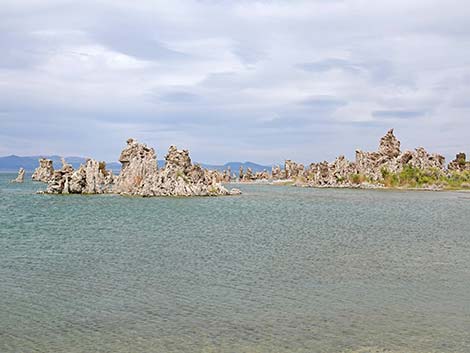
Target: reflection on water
pixel 277 269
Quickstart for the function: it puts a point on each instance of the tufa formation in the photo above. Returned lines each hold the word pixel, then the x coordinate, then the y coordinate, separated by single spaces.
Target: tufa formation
pixel 20 177
pixel 139 176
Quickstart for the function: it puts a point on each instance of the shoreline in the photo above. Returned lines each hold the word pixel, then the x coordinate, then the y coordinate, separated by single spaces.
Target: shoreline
pixel 349 187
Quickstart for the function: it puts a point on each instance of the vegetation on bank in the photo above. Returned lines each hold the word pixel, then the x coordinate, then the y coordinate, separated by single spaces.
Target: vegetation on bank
pixel 411 177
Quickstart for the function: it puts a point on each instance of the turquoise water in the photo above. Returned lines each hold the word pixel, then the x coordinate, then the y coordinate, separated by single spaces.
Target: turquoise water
pixel 277 269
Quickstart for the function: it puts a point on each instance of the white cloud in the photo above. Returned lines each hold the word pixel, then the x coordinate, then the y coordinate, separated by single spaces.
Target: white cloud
pixel 245 75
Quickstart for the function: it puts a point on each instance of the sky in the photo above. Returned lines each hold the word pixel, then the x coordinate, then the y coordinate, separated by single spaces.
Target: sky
pixel 233 80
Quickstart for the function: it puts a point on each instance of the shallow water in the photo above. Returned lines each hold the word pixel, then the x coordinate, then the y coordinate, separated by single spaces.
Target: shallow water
pixel 277 269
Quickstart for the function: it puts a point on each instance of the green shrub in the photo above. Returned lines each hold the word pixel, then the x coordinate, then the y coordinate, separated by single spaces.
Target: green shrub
pixel 357 178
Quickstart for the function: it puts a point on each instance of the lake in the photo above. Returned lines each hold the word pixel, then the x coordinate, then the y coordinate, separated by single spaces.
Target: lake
pixel 277 269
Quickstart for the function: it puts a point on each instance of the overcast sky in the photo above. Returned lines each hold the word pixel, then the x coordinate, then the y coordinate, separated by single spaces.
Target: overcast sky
pixel 233 80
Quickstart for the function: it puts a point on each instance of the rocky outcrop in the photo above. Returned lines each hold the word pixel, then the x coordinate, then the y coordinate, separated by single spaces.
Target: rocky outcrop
pixel 59 182
pixel 228 175
pixel 292 169
pixel 248 176
pixel 368 169
pixel 20 177
pixel 389 158
pixel 44 172
pixel 277 173
pixel 331 174
pixel 421 159
pixel 221 176
pixel 263 175
pixel 241 174
pixel 91 178
pixel 140 175
pixel 389 145
pixel 370 164
pixel 459 164
pixel 138 164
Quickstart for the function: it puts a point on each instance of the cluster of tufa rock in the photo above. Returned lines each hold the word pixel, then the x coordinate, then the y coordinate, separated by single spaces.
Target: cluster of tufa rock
pixel 368 165
pixel 139 175
pixel 91 178
pixel 249 176
pixel 179 177
pixel 390 158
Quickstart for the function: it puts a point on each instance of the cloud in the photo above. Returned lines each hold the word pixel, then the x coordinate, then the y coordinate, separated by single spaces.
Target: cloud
pixel 179 97
pixel 330 64
pixel 323 103
pixel 399 114
pixel 259 80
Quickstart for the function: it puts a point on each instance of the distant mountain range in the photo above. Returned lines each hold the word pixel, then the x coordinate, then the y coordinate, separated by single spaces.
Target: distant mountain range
pixel 29 163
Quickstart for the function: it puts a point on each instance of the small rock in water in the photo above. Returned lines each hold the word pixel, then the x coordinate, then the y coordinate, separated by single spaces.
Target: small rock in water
pixel 20 177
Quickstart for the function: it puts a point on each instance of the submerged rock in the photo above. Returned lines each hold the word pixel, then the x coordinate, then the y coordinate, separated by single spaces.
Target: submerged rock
pixel 44 172
pixel 235 191
pixel 20 177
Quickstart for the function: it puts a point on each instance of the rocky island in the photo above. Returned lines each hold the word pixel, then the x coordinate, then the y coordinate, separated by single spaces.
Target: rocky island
pixel 139 175
pixel 388 167
pixel 179 177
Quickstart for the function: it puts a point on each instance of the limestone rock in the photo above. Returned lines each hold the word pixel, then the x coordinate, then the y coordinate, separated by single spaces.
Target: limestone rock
pixel 459 164
pixel 235 191
pixel 390 158
pixel 138 163
pixel 20 177
pixel 228 175
pixel 241 174
pixel 423 160
pixel 44 172
pixel 91 178
pixel 331 174
pixel 221 176
pixel 389 145
pixel 140 176
pixel 368 169
pixel 276 173
pixel 292 169
pixel 264 175
pixel 248 176
pixel 59 183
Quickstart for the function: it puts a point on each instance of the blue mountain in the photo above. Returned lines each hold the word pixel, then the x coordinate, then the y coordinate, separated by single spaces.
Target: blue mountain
pixel 29 163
